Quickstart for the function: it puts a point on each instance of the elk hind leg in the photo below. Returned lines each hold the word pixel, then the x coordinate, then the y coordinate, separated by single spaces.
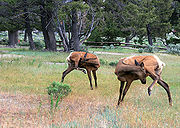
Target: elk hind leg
pixel 126 89
pixel 95 77
pixel 120 91
pixel 166 87
pixel 90 78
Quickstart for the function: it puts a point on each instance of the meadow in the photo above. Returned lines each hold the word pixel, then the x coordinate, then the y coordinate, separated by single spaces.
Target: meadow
pixel 24 102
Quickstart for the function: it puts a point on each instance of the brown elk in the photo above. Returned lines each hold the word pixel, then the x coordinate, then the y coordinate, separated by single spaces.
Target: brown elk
pixel 139 67
pixel 81 61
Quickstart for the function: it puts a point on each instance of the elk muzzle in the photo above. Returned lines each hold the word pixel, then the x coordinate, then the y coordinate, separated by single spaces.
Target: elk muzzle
pixel 143 81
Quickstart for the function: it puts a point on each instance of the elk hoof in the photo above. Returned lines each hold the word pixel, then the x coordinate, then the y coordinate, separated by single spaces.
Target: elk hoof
pixel 149 91
pixel 170 103
pixel 117 106
pixel 91 88
pixel 84 71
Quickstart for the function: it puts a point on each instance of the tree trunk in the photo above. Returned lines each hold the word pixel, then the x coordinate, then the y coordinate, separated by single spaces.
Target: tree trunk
pixel 25 36
pixel 51 35
pixel 75 35
pixel 45 33
pixel 130 37
pixel 28 31
pixel 16 37
pixel 149 35
pixel 127 40
pixel 62 34
pixel 47 28
pixel 13 38
pixel 31 42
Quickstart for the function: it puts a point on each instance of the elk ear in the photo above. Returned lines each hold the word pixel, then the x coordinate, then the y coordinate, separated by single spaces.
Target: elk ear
pixel 136 63
pixel 142 65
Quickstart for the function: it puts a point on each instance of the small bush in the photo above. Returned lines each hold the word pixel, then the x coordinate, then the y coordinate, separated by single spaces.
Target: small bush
pixel 173 41
pixel 39 45
pixel 140 50
pixel 3 41
pixel 173 49
pixel 103 62
pixel 57 91
pixel 23 43
pixel 109 47
pixel 84 48
pixel 149 49
pixel 114 63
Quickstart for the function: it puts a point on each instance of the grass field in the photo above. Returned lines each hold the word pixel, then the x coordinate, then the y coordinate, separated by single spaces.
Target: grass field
pixel 24 101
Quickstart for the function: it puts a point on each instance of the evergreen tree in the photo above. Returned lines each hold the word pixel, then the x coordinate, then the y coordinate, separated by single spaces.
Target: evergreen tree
pixel 9 20
pixel 175 18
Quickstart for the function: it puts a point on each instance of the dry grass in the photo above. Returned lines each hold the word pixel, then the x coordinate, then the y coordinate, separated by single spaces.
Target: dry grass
pixel 24 101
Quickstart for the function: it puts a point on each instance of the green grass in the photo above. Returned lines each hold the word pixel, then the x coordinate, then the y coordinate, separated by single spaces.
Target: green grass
pixel 24 82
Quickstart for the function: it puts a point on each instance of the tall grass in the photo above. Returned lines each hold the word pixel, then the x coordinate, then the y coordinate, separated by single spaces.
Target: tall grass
pixel 24 101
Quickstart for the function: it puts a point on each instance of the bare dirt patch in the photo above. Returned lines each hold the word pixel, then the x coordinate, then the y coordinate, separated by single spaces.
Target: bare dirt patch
pixel 26 110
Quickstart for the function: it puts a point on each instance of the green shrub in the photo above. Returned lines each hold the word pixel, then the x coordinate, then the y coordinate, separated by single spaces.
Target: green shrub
pixel 39 45
pixel 173 49
pixel 3 38
pixel 114 63
pixel 57 91
pixel 109 47
pixel 103 62
pixel 23 43
pixel 140 50
pixel 3 42
pixel 173 41
pixel 84 48
pixel 150 49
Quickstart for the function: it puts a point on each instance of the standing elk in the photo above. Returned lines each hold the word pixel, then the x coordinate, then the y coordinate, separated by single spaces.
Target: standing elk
pixel 139 67
pixel 81 61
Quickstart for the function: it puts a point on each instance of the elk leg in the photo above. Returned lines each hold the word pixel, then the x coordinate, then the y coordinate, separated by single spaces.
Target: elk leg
pixel 151 86
pixel 66 72
pixel 166 87
pixel 82 70
pixel 155 78
pixel 120 91
pixel 95 77
pixel 125 90
pixel 90 79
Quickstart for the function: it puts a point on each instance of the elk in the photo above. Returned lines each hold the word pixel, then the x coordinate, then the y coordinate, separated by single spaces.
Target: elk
pixel 81 61
pixel 139 67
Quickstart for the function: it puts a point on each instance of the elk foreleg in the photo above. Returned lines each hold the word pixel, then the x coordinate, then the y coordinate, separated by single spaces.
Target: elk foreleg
pixel 155 78
pixel 82 70
pixel 151 87
pixel 95 77
pixel 68 70
pixel 166 87
pixel 126 89
pixel 120 91
pixel 90 78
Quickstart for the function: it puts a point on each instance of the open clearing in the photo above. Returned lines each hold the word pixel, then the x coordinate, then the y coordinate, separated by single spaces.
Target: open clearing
pixel 24 101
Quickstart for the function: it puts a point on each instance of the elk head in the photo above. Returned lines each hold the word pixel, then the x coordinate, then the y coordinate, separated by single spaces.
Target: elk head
pixel 141 72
